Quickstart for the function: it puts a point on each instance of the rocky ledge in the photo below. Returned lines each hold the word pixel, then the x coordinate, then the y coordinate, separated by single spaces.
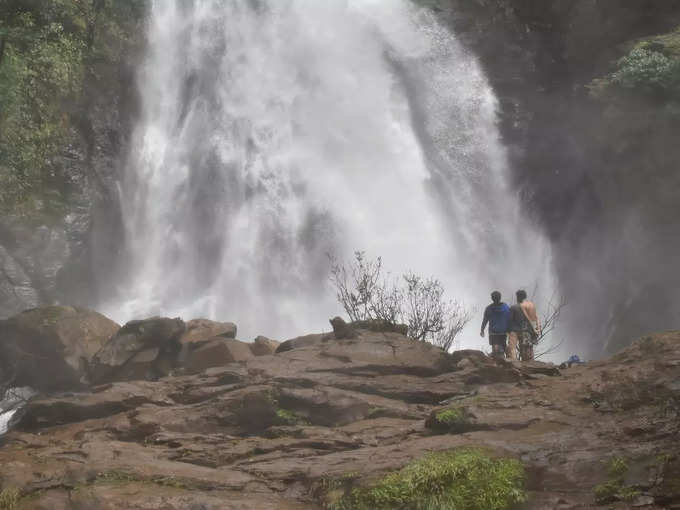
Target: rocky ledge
pixel 168 415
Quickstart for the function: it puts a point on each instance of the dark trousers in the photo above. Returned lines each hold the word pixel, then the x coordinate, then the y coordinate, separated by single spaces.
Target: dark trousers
pixel 498 344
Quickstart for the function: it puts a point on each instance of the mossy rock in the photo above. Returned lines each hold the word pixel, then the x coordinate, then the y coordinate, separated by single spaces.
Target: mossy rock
pixel 465 479
pixel 452 420
pixel 288 417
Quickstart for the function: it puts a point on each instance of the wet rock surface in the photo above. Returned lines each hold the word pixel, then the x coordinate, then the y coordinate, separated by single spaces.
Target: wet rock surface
pixel 140 349
pixel 273 431
pixel 49 348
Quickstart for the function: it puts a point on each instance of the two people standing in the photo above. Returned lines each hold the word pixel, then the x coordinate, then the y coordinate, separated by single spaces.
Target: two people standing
pixel 512 329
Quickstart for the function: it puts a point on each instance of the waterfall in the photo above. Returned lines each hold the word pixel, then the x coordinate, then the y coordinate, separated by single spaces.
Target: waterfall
pixel 274 132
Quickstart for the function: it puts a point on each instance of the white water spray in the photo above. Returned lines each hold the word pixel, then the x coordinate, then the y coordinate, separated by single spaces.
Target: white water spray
pixel 273 132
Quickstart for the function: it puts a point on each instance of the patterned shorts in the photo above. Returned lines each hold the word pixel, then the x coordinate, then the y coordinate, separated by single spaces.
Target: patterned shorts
pixel 526 346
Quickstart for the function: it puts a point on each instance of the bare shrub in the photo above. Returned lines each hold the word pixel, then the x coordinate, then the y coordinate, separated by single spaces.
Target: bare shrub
pixel 550 314
pixel 387 301
pixel 366 294
pixel 356 286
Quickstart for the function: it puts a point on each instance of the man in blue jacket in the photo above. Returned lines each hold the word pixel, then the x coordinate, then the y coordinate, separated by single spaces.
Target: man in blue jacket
pixel 497 316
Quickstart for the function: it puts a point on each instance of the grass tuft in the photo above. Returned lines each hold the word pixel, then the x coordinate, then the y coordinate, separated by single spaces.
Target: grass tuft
pixel 9 499
pixel 466 479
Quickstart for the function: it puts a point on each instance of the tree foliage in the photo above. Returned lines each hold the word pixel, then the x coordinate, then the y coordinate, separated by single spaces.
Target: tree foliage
pixel 366 293
pixel 49 51
pixel 646 69
pixel 650 70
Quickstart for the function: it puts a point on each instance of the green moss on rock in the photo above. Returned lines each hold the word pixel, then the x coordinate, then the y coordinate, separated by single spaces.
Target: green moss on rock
pixel 451 420
pixel 288 417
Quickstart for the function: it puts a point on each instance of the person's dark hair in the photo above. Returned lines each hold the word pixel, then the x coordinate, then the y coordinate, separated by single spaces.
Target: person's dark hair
pixel 521 295
pixel 496 296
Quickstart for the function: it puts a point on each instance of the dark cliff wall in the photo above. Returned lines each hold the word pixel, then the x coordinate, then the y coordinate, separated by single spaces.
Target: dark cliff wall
pixel 67 102
pixel 600 174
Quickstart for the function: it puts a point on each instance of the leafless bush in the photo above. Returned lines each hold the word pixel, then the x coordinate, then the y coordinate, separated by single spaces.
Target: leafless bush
pixel 356 286
pixel 550 314
pixel 552 311
pixel 459 316
pixel 365 294
pixel 387 301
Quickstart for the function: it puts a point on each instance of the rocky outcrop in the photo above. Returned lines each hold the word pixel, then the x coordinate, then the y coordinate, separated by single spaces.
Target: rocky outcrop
pixel 300 427
pixel 263 346
pixel 215 352
pixel 199 330
pixel 141 349
pixel 50 348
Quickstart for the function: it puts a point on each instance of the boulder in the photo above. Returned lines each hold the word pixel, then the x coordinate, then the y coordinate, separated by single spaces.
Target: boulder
pixel 301 342
pixel 341 329
pixel 216 352
pixel 199 330
pixel 140 349
pixel 263 346
pixel 49 348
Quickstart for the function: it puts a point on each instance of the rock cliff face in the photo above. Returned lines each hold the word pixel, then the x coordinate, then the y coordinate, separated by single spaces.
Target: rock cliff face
pixel 600 176
pixel 304 427
pixel 54 254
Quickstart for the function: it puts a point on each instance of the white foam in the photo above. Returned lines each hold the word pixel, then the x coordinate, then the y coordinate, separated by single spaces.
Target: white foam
pixel 273 132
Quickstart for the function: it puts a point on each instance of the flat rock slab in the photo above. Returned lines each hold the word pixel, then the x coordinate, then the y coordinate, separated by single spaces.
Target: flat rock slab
pixel 275 431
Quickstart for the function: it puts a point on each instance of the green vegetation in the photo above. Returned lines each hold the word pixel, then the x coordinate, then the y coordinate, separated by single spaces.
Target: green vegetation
pixel 451 420
pixel 123 478
pixel 467 479
pixel 376 412
pixel 9 499
pixel 614 489
pixel 451 417
pixel 650 70
pixel 645 69
pixel 287 417
pixel 50 53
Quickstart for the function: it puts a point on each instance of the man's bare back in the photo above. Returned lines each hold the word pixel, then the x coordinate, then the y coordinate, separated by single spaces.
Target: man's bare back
pixel 529 309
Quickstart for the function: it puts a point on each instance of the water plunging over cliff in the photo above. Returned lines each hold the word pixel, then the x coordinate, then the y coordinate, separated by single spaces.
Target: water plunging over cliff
pixel 275 132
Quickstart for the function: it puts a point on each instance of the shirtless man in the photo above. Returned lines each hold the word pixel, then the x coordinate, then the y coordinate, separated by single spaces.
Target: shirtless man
pixel 525 328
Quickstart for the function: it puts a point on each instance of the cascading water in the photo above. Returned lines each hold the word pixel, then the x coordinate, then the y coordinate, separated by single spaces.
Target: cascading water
pixel 273 132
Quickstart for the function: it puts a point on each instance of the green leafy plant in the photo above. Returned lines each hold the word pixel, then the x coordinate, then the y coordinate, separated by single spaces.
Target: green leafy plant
pixel 644 69
pixel 52 53
pixel 614 489
pixel 466 479
pixel 650 70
